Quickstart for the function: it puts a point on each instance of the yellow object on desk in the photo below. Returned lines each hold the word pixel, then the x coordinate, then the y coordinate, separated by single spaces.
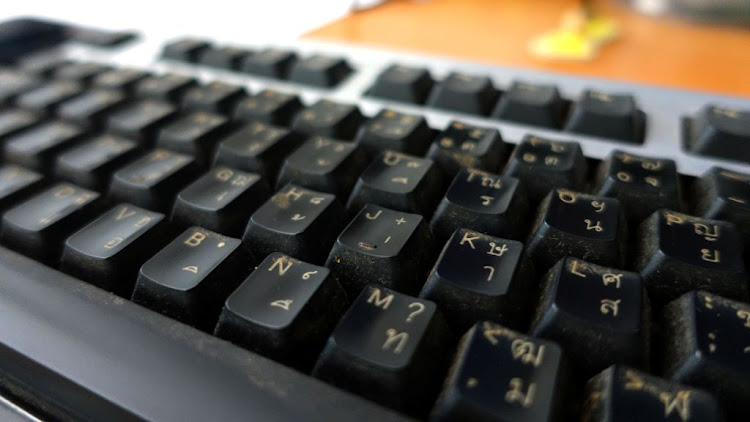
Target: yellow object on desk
pixel 579 37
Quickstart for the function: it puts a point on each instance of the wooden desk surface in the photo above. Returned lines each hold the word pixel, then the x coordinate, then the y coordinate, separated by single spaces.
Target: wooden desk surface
pixel 657 51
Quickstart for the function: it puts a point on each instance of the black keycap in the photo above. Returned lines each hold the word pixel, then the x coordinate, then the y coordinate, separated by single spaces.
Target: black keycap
pixel 613 116
pixel 91 163
pixel 319 70
pixel 123 79
pixel 502 375
pixel 398 181
pixel 270 63
pixel 17 183
pixel 588 227
pixel 142 120
pixel 216 97
pixel 13 83
pixel 642 184
pixel 37 148
pixel 296 221
pixel 706 342
pixel 109 251
pixel 622 394
pixel 723 194
pixel 154 180
pixel 192 276
pixel 676 253
pixel 383 246
pixel 531 104
pixel 102 38
pixel 222 201
pixel 41 64
pixel 194 134
pixel 598 315
pixel 184 49
pixel 719 132
pixel 403 84
pixel 543 164
pixel 328 118
pixel 268 106
pixel 47 97
pixel 91 108
pixel 13 121
pixel 169 87
pixel 396 131
pixel 228 58
pixel 284 310
pixel 80 72
pixel 256 148
pixel 38 226
pixel 478 277
pixel 464 146
pixel 324 164
pixel 390 348
pixel 464 93
pixel 488 203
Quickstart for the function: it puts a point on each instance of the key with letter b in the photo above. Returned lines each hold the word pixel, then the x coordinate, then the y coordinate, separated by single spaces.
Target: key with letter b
pixel 389 347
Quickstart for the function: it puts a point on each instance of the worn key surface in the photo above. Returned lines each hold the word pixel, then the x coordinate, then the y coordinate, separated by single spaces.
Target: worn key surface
pixel 395 131
pixel 465 146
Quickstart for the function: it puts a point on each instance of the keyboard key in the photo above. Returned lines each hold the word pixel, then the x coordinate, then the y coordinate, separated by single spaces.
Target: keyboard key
pixel 270 63
pixel 13 121
pixel 328 118
pixel 169 87
pixel 382 246
pixel 588 227
pixel 13 83
pixel 299 222
pixel 41 64
pixel 531 104
pixel 194 134
pixel 91 163
pixel 622 394
pixel 398 181
pixel 488 203
pixel 221 200
pixel 464 93
pixel 17 183
pixel 124 79
pixel 478 277
pixel 185 49
pixel 324 164
pixel 676 253
pixel 613 116
pixel 83 72
pixel 464 146
pixel 396 131
pixel 37 148
pixel 38 226
pixel 153 181
pixel 142 120
pixel 642 184
pixel 46 98
pixel 91 108
pixel 267 106
pixel 284 310
pixel 390 348
pixel 102 39
pixel 502 375
pixel 543 165
pixel 228 58
pixel 403 84
pixel 319 70
pixel 108 252
pixel 216 97
pixel 705 345
pixel 722 194
pixel 192 276
pixel 256 148
pixel 719 132
pixel 585 307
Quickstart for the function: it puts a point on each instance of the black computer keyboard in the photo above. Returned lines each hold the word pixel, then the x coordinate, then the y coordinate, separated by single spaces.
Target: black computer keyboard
pixel 315 233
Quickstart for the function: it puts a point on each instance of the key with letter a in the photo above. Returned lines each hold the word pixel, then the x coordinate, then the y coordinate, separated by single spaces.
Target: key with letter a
pixel 191 277
pixel 109 251
pixel 503 375
pixel 285 310
pixel 390 348
pixel 622 394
